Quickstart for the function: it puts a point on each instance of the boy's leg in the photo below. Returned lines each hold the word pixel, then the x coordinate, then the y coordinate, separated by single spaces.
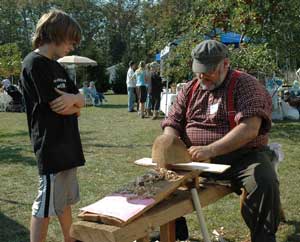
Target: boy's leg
pixel 41 209
pixel 66 194
pixel 65 221
pixel 38 229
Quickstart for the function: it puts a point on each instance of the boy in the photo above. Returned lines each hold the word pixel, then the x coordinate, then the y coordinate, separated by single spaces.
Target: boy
pixel 52 106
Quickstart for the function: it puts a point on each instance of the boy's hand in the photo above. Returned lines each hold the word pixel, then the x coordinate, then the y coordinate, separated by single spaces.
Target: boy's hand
pixel 62 103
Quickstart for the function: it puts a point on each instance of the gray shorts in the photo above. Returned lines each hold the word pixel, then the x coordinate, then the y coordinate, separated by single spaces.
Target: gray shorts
pixel 56 191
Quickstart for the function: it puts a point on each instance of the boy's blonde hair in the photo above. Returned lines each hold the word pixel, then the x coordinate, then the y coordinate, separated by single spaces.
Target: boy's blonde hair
pixel 56 27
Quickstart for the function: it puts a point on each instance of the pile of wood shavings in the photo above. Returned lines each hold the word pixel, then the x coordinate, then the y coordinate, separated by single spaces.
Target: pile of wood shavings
pixel 144 186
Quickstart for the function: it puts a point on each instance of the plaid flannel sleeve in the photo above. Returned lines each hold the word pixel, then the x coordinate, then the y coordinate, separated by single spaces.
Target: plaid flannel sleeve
pixel 177 114
pixel 252 99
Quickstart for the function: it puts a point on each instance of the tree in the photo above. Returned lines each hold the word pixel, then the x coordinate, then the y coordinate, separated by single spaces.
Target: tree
pixel 119 82
pixel 270 25
pixel 117 31
pixel 254 59
pixel 10 60
pixel 123 31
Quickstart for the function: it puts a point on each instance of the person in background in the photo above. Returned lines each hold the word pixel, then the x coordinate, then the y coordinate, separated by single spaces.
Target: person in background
pixel 5 84
pixel 295 89
pixel 156 88
pixel 97 97
pixel 17 102
pixel 224 116
pixel 292 100
pixel 131 85
pixel 53 105
pixel 86 92
pixel 148 105
pixel 139 75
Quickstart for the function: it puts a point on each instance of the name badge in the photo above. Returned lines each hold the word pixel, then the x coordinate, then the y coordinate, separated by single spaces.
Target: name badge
pixel 213 108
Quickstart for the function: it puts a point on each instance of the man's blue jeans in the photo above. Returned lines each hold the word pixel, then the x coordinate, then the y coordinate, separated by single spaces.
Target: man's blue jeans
pixel 131 97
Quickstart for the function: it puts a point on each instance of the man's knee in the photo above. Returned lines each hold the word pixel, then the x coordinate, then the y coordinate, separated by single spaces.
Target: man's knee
pixel 261 176
pixel 265 175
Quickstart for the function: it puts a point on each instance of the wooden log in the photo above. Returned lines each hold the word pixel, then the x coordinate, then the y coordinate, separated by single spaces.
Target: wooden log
pixel 168 210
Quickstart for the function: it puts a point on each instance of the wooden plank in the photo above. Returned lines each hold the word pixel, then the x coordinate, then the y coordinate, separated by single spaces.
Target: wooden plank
pixel 167 232
pixel 178 205
pixel 164 189
pixel 200 166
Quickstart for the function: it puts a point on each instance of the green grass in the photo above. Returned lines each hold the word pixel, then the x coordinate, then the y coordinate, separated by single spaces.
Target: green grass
pixel 112 139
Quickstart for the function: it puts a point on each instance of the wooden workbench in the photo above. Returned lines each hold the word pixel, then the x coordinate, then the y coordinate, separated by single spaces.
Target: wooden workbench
pixel 162 215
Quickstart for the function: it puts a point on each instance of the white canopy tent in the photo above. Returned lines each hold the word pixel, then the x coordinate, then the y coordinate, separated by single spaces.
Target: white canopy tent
pixel 77 61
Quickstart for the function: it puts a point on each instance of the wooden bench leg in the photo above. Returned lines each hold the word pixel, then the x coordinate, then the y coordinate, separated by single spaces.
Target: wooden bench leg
pixel 167 232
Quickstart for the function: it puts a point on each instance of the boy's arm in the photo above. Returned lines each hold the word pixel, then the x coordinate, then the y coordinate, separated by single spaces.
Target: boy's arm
pixel 67 103
pixel 70 111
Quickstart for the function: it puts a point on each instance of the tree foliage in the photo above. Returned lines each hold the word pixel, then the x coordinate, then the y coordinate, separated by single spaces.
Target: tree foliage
pixel 119 82
pixel 254 58
pixel 10 60
pixel 116 31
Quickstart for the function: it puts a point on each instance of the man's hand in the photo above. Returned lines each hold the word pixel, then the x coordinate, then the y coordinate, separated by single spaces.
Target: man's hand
pixel 242 134
pixel 201 153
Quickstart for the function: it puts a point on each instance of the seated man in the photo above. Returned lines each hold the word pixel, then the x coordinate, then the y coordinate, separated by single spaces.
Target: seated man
pixel 225 116
pixel 98 97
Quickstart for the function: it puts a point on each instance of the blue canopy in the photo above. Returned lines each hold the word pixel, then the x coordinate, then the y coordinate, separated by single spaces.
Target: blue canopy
pixel 224 37
pixel 157 57
pixel 227 37
pixel 233 38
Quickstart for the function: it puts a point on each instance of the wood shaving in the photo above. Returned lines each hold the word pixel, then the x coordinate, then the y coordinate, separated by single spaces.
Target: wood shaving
pixel 146 186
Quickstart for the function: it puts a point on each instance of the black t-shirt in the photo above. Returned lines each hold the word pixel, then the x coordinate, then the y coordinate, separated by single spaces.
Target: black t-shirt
pixel 55 138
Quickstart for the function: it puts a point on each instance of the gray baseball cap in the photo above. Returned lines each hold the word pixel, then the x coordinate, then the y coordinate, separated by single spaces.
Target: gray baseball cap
pixel 207 55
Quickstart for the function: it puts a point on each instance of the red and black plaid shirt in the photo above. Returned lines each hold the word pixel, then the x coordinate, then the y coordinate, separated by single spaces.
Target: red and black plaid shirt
pixel 207 118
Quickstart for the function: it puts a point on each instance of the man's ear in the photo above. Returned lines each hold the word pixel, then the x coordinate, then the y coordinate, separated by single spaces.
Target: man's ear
pixel 226 62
